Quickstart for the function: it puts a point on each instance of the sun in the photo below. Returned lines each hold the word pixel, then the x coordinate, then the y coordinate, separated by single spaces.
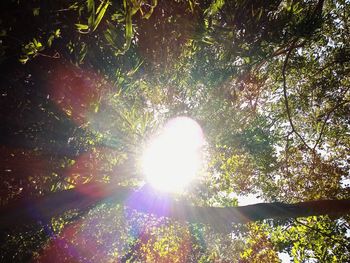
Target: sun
pixel 172 159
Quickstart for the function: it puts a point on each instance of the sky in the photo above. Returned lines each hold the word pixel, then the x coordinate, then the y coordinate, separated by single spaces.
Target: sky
pixel 249 199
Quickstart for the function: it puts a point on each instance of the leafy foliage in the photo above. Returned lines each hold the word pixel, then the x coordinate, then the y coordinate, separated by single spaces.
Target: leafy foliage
pixel 85 84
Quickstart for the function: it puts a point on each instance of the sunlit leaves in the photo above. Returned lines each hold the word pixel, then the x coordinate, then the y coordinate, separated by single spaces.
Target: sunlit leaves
pixel 258 248
pixel 138 63
pixel 130 9
pixel 95 16
pixel 55 34
pixel 36 46
pixel 215 7
pixel 31 50
pixel 314 238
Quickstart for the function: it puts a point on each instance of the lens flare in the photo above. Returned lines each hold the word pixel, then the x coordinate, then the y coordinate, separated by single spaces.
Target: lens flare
pixel 172 159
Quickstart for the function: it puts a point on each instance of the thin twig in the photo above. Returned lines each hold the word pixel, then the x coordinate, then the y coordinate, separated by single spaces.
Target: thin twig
pixel 341 103
pixel 286 96
pixel 55 56
pixel 286 152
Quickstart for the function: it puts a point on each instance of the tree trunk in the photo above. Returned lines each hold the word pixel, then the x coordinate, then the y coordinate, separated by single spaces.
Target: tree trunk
pixel 148 200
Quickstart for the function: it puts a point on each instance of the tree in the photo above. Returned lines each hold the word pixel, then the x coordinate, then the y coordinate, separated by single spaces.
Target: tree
pixel 147 200
pixel 87 82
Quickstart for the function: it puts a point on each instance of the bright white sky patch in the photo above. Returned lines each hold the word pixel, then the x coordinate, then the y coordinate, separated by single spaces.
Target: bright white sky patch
pixel 284 257
pixel 172 159
pixel 249 199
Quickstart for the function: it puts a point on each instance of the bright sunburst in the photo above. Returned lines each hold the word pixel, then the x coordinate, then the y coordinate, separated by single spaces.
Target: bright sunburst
pixel 172 159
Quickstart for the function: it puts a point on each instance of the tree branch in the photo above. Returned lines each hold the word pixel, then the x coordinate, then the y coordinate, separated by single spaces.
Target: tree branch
pixel 148 201
pixel 286 96
pixel 341 103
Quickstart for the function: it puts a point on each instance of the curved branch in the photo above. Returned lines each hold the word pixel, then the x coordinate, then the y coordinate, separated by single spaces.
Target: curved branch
pixel 286 95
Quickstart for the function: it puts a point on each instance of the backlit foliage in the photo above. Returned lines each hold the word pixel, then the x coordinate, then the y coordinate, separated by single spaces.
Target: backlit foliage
pixel 85 84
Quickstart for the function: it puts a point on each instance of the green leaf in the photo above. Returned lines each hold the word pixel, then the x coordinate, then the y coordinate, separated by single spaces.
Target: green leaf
pixel 215 7
pixel 150 12
pixel 57 33
pixel 50 40
pixel 83 52
pixel 24 59
pixel 36 11
pixel 37 44
pixel 90 6
pixel 100 14
pixel 118 16
pixel 128 30
pixel 191 5
pixel 91 10
pixel 81 27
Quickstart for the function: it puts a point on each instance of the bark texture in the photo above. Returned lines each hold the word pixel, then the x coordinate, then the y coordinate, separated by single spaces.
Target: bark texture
pixel 28 211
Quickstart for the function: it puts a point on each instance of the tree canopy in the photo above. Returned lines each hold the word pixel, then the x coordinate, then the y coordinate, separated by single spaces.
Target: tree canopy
pixel 85 85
